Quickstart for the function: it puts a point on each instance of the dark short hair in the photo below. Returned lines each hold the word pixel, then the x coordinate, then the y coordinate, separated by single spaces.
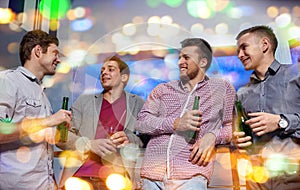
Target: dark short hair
pixel 204 49
pixel 124 69
pixel 261 31
pixel 33 38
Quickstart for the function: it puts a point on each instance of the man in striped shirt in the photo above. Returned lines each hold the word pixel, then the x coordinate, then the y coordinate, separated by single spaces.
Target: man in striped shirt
pixel 170 160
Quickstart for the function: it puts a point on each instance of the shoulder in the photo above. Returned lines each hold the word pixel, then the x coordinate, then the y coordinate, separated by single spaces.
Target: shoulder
pixel 8 78
pixel 86 98
pixel 134 97
pixel 221 82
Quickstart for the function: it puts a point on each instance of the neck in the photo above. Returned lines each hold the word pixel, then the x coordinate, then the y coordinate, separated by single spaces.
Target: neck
pixel 190 84
pixel 34 70
pixel 262 69
pixel 112 95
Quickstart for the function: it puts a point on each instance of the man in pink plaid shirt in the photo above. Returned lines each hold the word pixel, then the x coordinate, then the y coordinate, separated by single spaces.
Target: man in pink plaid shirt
pixel 170 161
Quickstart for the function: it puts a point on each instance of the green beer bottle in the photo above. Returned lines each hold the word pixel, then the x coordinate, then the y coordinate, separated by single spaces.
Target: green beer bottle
pixel 62 130
pixel 241 119
pixel 191 135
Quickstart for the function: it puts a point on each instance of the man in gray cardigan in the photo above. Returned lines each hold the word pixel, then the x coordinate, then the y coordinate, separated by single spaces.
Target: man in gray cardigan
pixel 103 129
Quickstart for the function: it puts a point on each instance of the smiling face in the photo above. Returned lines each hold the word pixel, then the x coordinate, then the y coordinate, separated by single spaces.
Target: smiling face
pixel 188 63
pixel 250 49
pixel 50 59
pixel 111 76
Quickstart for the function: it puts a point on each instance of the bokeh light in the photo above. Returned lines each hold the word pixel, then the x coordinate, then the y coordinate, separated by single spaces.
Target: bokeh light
pixel 63 67
pixel 272 11
pixel 79 12
pixel 116 182
pixel 70 159
pixel 193 7
pixel 221 29
pixel 284 10
pixel 54 25
pixel 197 29
pixel 6 15
pixel 6 127
pixel 74 183
pixel 294 32
pixel 48 81
pixel 54 9
pixel 218 5
pixel 129 29
pixel 296 11
pixel 137 20
pixel 235 13
pixel 260 174
pixel 76 57
pixel 13 47
pixel 23 154
pixel 71 14
pixel 173 3
pixel 153 3
pixel 283 20
pixel 82 25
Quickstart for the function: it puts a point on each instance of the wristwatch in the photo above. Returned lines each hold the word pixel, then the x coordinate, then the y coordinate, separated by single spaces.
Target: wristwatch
pixel 283 123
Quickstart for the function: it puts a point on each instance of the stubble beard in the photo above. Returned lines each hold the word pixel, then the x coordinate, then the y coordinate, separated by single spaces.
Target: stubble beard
pixel 186 77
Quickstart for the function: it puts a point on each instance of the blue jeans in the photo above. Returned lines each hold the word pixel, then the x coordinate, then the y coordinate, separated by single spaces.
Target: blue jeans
pixel 195 183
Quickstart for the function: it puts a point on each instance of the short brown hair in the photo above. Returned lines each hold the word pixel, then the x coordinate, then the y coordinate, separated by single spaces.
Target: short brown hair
pixel 124 69
pixel 33 38
pixel 262 31
pixel 204 49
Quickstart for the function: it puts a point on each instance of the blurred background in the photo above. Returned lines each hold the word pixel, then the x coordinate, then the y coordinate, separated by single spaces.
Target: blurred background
pixel 147 35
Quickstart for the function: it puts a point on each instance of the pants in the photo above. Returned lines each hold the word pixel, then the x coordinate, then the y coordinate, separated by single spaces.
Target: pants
pixel 195 183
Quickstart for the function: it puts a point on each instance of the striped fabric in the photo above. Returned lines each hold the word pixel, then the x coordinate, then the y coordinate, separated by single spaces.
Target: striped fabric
pixel 167 152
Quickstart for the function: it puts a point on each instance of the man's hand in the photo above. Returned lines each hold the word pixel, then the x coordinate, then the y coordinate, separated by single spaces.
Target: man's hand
pixel 59 117
pixel 103 147
pixel 203 150
pixel 119 139
pixel 191 120
pixel 262 123
pixel 240 141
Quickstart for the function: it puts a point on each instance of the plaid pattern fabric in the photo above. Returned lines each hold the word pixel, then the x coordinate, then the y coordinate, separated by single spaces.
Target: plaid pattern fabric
pixel 167 152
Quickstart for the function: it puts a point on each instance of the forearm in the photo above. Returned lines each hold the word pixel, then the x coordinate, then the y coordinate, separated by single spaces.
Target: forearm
pixel 155 125
pixel 10 132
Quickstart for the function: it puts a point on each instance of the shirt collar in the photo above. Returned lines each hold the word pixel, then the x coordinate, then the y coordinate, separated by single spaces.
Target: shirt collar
pixel 206 78
pixel 272 70
pixel 28 74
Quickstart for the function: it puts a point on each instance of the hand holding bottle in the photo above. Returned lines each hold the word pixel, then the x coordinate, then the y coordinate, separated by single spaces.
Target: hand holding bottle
pixel 62 128
pixel 119 139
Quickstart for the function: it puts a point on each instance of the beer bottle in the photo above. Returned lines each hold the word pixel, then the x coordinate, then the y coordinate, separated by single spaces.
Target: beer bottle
pixel 62 130
pixel 240 122
pixel 191 135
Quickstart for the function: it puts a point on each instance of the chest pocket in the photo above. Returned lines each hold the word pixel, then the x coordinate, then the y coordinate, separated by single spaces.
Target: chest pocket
pixel 33 107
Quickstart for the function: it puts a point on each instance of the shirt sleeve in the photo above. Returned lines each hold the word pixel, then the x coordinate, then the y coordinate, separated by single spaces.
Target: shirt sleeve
pixel 293 105
pixel 149 119
pixel 8 100
pixel 224 134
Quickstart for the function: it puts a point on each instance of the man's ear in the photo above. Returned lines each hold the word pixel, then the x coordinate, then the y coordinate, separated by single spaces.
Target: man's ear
pixel 37 51
pixel 124 78
pixel 203 62
pixel 265 44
